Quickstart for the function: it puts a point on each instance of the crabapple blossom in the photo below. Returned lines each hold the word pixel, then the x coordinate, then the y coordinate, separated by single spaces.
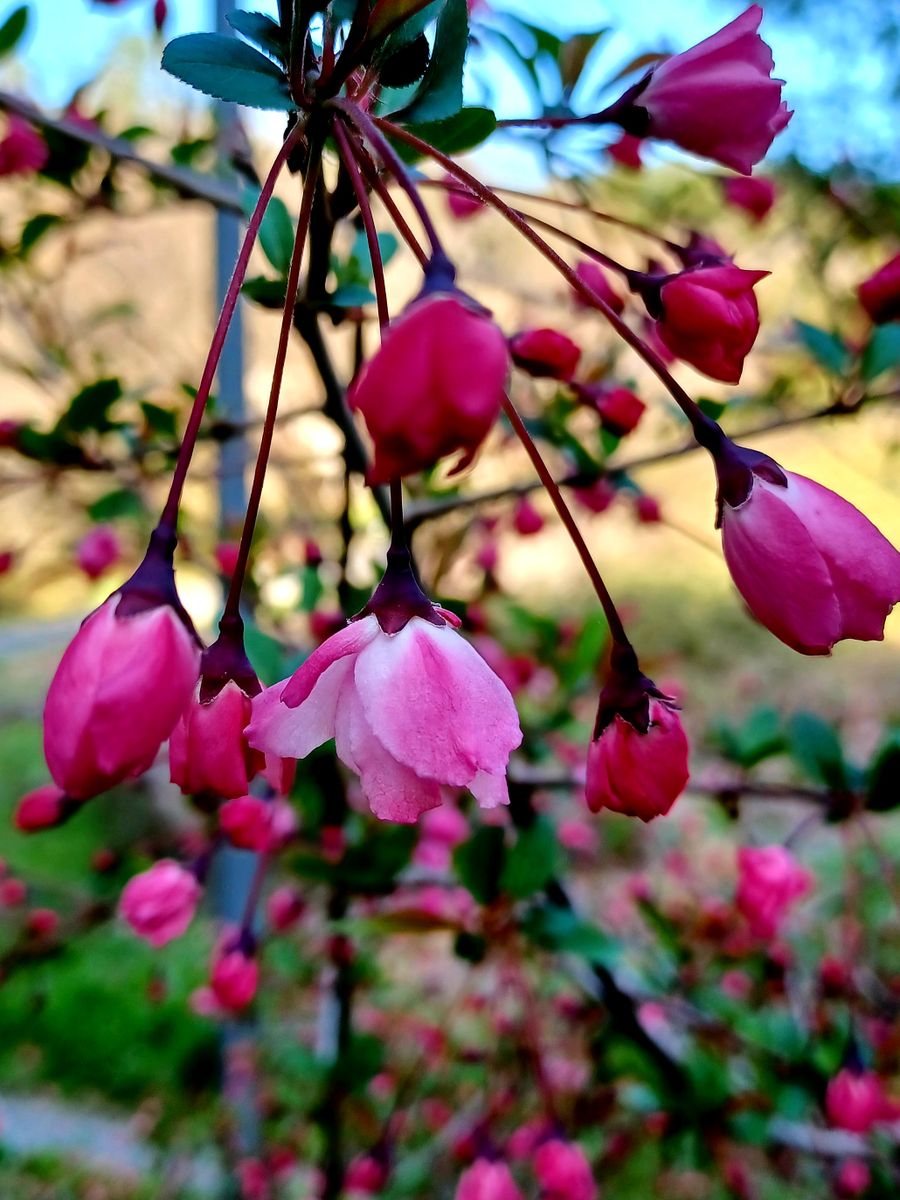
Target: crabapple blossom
pixel 545 353
pixel 592 275
pixel 159 904
pixel 526 518
pixel 754 194
pixel 486 1180
pixel 98 550
pixel 563 1172
pixel 770 881
pixel 618 408
pixel 234 979
pixel 856 1100
pixel 626 151
pixel 44 808
pixel 880 293
pixel 22 149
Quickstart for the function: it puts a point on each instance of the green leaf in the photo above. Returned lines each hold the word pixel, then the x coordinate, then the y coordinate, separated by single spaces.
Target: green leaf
pixel 12 29
pixel 159 420
pixel 116 504
pixel 351 295
pixel 479 863
pixel 817 749
pixel 276 235
pixel 262 31
pixel 465 129
pixel 270 293
pixel 89 409
pixel 35 229
pixel 404 16
pixel 532 861
pixel 826 348
pixel 228 69
pixel 440 94
pixel 265 653
pixel 882 353
pixel 883 783
pixel 758 738
pixel 556 928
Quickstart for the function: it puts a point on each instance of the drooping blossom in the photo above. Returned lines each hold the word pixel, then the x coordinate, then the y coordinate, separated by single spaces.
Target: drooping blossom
pixel 234 979
pixel 160 14
pixel 284 908
pixel 853 1177
pixel 809 565
pixel 159 904
pixel 486 1180
pixel 436 384
pixel 254 824
pixel 770 882
pixel 880 293
pixel 618 408
pixel 563 1172
pixel 98 550
pixel 121 685
pixel 753 194
pixel 708 316
pixel 856 1100
pixel 461 202
pixel 638 757
pixel 526 518
pixel 596 497
pixel 647 509
pixel 592 275
pixel 411 711
pixel 22 149
pixel 545 353
pixel 717 99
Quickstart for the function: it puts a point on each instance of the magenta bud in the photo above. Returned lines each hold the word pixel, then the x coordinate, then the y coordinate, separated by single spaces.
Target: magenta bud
pixel 545 353
pixel 44 808
pixel 98 550
pixel 22 151
pixel 563 1172
pixel 486 1180
pixel 770 882
pixel 753 194
pixel 159 904
pixel 880 293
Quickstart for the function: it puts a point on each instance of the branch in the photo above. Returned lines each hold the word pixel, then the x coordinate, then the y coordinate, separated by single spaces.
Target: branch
pixel 186 182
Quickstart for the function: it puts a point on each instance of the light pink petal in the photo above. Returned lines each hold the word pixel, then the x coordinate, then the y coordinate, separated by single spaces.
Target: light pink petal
pixel 436 705
pixel 349 640
pixel 489 790
pixel 295 732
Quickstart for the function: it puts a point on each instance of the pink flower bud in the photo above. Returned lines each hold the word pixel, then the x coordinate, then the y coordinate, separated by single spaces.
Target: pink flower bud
pixel 753 194
pixel 640 774
pixel 226 555
pixel 597 496
pixel 486 1180
pixel 856 1100
pixel 770 881
pixel 853 1177
pixel 42 922
pixel 619 409
pixel 440 830
pixel 526 518
pixel 44 808
pixel 22 151
pixel 247 823
pixel 123 682
pixel 809 565
pixel 98 551
pixel 545 353
pixel 709 318
pixel 366 1174
pixel 410 711
pixel 160 13
pixel 284 908
pixel 434 387
pixel 160 903
pixel 717 99
pixel 12 893
pixel 880 293
pixel 563 1172
pixel 647 509
pixel 7 560
pixel 461 202
pixel 234 980
pixel 208 752
pixel 594 277
pixel 627 152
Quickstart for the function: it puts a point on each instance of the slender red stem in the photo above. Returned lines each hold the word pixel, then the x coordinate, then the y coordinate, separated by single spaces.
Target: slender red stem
pixel 169 519
pixel 377 184
pixel 365 211
pixel 232 604
pixel 705 429
pixel 616 628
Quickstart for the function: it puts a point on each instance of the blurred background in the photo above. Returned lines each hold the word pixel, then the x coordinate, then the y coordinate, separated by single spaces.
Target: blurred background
pixel 111 1086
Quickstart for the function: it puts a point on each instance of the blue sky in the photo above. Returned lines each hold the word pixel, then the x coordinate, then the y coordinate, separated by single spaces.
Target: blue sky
pixel 70 39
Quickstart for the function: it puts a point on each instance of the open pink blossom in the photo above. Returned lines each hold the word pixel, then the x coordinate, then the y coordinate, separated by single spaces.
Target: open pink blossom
pixel 640 774
pixel 159 904
pixel 564 1172
pixel 486 1180
pixel 434 387
pixel 856 1100
pixel 809 565
pixel 717 99
pixel 122 684
pixel 410 712
pixel 880 293
pixel 770 882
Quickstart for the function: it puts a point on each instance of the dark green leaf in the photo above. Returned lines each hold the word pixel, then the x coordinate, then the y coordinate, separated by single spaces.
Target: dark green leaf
pixel 479 863
pixel 556 928
pixel 270 293
pixel 351 295
pixel 119 503
pixel 359 1063
pixel 35 229
pixel 185 154
pixel 90 408
pixel 817 749
pixel 276 235
pixel 407 65
pixel 882 353
pixel 402 16
pixel 883 785
pixel 712 408
pixel 440 94
pixel 826 348
pixel 12 29
pixel 159 420
pixel 532 861
pixel 262 31
pixel 464 130
pixel 228 69
pixel 758 738
pixel 266 654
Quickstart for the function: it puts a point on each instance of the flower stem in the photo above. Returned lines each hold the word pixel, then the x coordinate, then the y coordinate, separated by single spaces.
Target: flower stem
pixel 365 212
pixel 169 518
pixel 377 184
pixel 232 604
pixel 706 431
pixel 616 628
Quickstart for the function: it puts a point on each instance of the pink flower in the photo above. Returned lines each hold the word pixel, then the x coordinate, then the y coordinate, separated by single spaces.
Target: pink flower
pixel 597 496
pixel 754 194
pixel 563 1172
pixel 411 711
pixel 160 13
pixel 809 565
pixel 880 293
pixel 856 1100
pixel 434 387
pixel 619 409
pixel 234 980
pixel 770 881
pixel 647 509
pixel 253 824
pixel 717 99
pixel 461 202
pixel 160 903
pixel 123 682
pixel 594 277
pixel 638 757
pixel 98 551
pixel 208 753
pixel 42 922
pixel 853 1177
pixel 440 830
pixel 44 808
pixel 627 152
pixel 366 1174
pixel 226 555
pixel 708 316
pixel 545 353
pixel 486 1180
pixel 526 518
pixel 284 908
pixel 22 151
